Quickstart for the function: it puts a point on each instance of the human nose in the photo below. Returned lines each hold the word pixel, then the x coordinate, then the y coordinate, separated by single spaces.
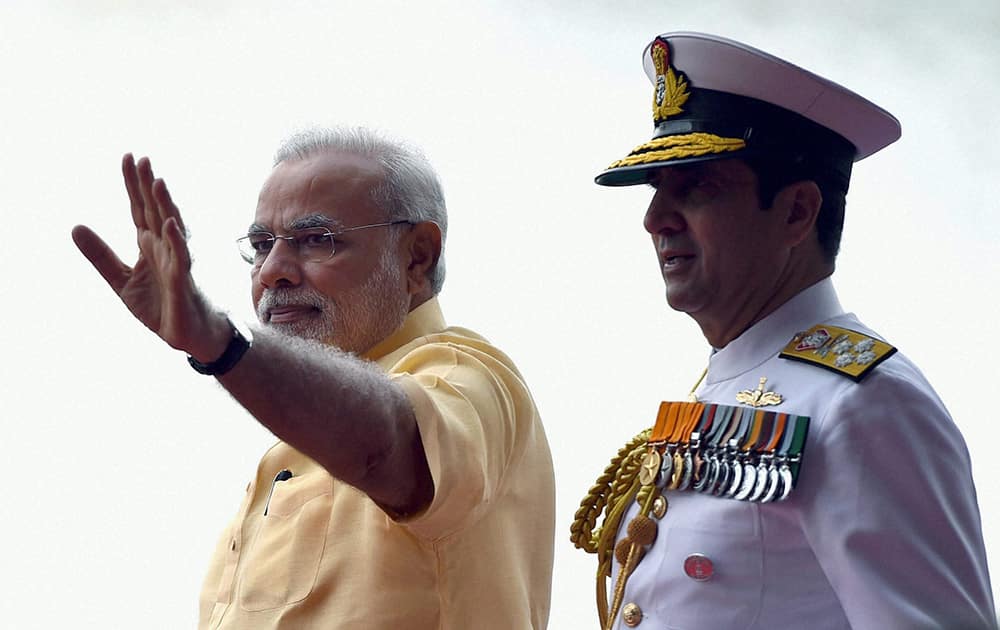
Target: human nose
pixel 281 266
pixel 662 217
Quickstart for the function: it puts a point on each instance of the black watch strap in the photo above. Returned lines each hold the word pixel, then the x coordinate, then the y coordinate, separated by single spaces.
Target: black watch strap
pixel 237 347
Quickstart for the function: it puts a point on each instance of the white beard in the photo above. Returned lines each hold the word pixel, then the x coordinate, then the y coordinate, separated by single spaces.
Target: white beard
pixel 357 320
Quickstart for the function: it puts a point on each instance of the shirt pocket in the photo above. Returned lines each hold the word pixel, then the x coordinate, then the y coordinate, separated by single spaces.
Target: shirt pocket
pixel 284 559
pixel 730 598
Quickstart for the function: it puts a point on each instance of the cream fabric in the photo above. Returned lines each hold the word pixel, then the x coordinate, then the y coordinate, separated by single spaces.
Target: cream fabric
pixel 480 556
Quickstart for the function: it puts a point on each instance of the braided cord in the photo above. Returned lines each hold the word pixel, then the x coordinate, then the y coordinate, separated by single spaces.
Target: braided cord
pixel 635 553
pixel 611 493
pixel 606 542
pixel 605 492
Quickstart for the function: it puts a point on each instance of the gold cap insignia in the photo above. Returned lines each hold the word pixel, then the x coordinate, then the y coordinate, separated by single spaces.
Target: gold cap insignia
pixel 670 88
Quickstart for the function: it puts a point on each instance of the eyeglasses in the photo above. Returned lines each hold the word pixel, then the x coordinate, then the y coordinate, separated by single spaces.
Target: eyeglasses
pixel 313 245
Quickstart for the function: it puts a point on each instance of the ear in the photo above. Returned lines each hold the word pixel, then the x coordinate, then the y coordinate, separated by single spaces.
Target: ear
pixel 801 202
pixel 423 248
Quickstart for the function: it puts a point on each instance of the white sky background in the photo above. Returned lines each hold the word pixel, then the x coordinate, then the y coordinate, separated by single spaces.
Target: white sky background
pixel 122 465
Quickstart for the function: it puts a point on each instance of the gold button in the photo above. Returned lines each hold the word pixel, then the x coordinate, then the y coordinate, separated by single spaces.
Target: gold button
pixel 659 507
pixel 632 615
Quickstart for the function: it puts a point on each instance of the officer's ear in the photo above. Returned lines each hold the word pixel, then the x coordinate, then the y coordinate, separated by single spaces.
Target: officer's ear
pixel 800 202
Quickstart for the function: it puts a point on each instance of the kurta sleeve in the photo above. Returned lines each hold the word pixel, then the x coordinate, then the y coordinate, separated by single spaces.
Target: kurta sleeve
pixel 475 415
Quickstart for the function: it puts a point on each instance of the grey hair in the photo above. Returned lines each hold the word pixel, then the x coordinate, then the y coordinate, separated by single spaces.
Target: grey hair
pixel 410 189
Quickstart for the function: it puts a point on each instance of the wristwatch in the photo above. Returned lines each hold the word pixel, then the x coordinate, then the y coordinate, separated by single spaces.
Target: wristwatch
pixel 238 345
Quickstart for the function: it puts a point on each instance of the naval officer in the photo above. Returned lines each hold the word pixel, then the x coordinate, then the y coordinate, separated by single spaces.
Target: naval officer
pixel 815 480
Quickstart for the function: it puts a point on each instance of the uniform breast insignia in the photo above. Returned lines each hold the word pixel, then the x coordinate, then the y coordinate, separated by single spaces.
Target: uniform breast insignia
pixel 846 352
pixel 758 397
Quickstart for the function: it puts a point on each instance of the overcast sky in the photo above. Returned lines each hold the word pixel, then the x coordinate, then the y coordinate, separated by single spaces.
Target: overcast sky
pixel 122 465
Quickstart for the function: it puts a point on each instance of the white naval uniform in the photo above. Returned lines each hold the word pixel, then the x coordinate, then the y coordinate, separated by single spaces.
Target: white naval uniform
pixel 882 531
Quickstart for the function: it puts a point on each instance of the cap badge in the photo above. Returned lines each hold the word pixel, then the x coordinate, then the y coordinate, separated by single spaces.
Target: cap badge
pixel 670 91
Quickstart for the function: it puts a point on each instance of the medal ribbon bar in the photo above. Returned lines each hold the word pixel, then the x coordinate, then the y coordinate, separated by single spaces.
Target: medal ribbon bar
pixel 742 453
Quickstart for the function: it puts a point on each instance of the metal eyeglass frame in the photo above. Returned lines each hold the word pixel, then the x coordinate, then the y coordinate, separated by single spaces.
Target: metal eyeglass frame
pixel 293 240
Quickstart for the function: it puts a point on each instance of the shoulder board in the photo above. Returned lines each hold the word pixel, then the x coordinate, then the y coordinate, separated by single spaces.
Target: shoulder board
pixel 843 351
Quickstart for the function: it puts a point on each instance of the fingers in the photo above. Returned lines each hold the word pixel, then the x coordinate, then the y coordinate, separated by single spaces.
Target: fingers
pixel 150 200
pixel 165 203
pixel 134 196
pixel 174 234
pixel 144 169
pixel 104 259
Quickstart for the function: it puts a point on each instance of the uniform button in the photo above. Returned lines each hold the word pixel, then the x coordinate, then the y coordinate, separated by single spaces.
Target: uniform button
pixel 659 507
pixel 632 615
pixel 698 567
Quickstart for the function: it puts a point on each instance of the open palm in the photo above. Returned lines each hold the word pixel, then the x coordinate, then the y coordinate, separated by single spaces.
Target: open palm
pixel 158 289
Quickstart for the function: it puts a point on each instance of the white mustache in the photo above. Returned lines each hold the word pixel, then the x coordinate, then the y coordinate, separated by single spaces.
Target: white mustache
pixel 272 298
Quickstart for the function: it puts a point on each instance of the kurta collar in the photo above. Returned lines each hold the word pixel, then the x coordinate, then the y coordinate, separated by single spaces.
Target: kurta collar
pixel 764 339
pixel 424 320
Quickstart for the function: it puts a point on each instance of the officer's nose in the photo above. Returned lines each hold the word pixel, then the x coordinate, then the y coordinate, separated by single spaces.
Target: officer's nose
pixel 662 216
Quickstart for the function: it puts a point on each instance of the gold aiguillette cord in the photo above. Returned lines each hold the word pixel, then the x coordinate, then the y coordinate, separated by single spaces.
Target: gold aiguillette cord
pixel 630 563
pixel 632 560
pixel 691 396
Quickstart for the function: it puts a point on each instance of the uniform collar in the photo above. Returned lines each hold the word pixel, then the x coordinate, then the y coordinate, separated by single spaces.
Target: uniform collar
pixel 424 320
pixel 764 339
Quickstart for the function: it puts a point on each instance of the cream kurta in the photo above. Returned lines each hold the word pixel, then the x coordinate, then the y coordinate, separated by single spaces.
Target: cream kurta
pixel 325 556
pixel 882 531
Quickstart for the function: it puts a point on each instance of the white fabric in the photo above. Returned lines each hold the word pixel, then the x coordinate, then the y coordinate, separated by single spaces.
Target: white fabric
pixel 882 531
pixel 716 63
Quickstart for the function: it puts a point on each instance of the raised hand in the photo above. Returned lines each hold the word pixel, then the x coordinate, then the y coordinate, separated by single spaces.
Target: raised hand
pixel 159 289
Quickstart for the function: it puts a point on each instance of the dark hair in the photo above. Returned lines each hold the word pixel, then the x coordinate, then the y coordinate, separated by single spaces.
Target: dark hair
pixel 774 173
